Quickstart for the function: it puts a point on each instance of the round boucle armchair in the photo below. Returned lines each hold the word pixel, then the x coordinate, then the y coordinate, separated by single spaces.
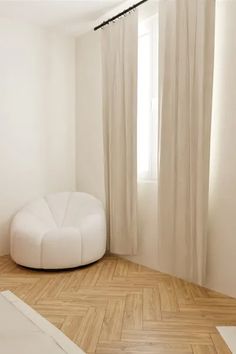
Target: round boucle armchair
pixel 62 230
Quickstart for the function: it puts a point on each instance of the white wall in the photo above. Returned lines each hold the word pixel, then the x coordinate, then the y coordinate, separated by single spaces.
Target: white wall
pixel 37 117
pixel 222 222
pixel 89 149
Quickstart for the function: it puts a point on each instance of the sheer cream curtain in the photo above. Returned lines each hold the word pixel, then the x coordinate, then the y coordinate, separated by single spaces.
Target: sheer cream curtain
pixel 120 55
pixel 186 39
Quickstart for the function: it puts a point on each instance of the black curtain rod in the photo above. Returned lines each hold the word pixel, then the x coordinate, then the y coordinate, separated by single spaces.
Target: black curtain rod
pixel 119 15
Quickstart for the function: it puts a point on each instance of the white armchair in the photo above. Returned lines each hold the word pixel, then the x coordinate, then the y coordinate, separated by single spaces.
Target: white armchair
pixel 63 230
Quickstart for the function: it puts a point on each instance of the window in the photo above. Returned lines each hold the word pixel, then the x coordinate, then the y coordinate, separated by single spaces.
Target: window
pixel 147 100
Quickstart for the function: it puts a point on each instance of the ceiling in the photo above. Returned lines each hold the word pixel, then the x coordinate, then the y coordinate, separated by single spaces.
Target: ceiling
pixel 72 17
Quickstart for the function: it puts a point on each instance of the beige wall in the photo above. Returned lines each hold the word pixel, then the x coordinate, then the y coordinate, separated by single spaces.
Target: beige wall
pixel 222 207
pixel 37 117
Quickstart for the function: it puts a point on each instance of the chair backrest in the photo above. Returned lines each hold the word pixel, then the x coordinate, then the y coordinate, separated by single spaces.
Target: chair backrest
pixel 64 209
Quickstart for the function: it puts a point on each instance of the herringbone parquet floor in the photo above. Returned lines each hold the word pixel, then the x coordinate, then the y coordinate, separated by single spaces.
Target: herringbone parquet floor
pixel 115 306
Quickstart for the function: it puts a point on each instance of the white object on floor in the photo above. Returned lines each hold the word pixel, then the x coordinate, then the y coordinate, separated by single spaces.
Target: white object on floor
pixel 229 335
pixel 62 230
pixel 23 330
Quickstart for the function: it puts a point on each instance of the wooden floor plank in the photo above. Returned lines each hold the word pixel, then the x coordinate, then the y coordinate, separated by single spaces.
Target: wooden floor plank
pixel 220 345
pixel 90 329
pixel 113 321
pixel 168 296
pixel 204 349
pixel 71 326
pixel 133 312
pixel 151 304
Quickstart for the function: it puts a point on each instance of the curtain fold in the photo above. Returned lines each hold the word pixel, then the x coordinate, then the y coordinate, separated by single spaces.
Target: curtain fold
pixel 120 55
pixel 186 50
